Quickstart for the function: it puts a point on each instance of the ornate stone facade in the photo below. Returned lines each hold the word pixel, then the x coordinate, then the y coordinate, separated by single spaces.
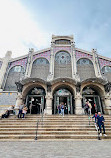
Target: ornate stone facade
pixel 58 68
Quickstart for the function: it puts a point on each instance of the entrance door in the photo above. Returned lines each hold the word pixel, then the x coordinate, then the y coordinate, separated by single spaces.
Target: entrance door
pixel 95 102
pixel 35 104
pixel 66 100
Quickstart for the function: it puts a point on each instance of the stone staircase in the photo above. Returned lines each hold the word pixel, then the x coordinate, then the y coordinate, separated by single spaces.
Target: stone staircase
pixel 53 127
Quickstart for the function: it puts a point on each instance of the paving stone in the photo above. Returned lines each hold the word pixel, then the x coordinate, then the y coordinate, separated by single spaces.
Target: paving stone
pixel 56 149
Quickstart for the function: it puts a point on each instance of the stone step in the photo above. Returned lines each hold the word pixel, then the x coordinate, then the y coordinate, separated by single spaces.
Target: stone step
pixel 40 125
pixel 53 127
pixel 45 137
pixel 49 129
pixel 48 132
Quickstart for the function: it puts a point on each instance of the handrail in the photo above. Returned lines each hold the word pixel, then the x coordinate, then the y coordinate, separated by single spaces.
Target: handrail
pixel 89 118
pixel 99 138
pixel 40 120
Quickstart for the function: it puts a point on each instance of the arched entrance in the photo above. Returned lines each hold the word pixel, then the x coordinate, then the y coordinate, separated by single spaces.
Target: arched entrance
pixel 92 95
pixel 65 96
pixel 35 100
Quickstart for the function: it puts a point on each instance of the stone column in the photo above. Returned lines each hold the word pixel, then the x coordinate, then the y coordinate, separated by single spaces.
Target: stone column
pixel 74 63
pixel 107 104
pixel 49 103
pixel 96 64
pixel 51 71
pixel 4 67
pixel 29 63
pixel 78 104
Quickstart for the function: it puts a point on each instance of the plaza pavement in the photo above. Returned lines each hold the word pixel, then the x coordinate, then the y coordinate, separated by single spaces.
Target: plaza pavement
pixel 56 149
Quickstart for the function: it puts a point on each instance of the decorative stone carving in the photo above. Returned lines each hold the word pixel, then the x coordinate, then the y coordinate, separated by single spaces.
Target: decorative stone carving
pixel 48 88
pixel 78 87
pixel 108 87
pixel 19 86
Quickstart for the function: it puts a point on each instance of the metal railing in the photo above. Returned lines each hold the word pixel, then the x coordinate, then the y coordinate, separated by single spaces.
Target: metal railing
pixel 38 121
pixel 89 118
pixel 97 129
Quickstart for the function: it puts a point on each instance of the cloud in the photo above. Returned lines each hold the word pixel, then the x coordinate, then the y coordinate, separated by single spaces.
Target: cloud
pixel 18 30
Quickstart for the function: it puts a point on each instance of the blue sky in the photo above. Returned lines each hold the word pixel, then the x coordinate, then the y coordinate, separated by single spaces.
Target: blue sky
pixel 30 23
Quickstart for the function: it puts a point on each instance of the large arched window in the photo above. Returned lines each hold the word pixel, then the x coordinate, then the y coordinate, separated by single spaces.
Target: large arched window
pixel 84 61
pixel 62 66
pixel 106 69
pixel 14 75
pixel 107 72
pixel 40 68
pixel 62 57
pixel 41 61
pixel 17 69
pixel 85 69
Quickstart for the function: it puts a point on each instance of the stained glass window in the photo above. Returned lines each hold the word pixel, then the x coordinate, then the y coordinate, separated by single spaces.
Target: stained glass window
pixel 84 61
pixel 63 57
pixel 41 61
pixel 106 69
pixel 17 69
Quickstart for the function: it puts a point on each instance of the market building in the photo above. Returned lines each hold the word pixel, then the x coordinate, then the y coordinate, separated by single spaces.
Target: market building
pixel 61 73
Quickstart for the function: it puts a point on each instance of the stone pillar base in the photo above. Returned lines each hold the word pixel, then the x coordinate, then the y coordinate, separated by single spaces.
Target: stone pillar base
pixel 48 105
pixel 79 111
pixel 78 104
pixel 48 111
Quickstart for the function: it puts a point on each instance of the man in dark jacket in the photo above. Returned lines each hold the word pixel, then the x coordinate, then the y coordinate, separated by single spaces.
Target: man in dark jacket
pixel 100 122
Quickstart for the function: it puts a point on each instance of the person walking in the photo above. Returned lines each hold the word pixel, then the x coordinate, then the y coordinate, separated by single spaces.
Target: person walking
pixel 62 109
pixel 100 122
pixel 90 107
pixel 86 107
pixel 24 111
pixel 59 109
pixel 20 110
pixel 95 116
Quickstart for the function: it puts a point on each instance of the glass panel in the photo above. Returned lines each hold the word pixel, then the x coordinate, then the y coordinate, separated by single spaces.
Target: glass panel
pixel 17 69
pixel 84 62
pixel 41 61
pixel 62 41
pixel 98 104
pixel 63 92
pixel 63 58
pixel 106 69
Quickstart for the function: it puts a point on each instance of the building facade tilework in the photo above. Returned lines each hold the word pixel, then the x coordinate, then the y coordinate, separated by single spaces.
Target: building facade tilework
pixel 8 98
pixel 65 48
pixel 45 54
pixel 0 64
pixel 104 62
pixel 83 55
pixel 21 62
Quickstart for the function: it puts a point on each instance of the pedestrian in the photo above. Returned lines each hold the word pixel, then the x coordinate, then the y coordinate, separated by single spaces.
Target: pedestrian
pixel 86 107
pixel 24 111
pixel 62 109
pixel 95 116
pixel 6 114
pixel 100 122
pixel 59 109
pixel 90 107
pixel 20 110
